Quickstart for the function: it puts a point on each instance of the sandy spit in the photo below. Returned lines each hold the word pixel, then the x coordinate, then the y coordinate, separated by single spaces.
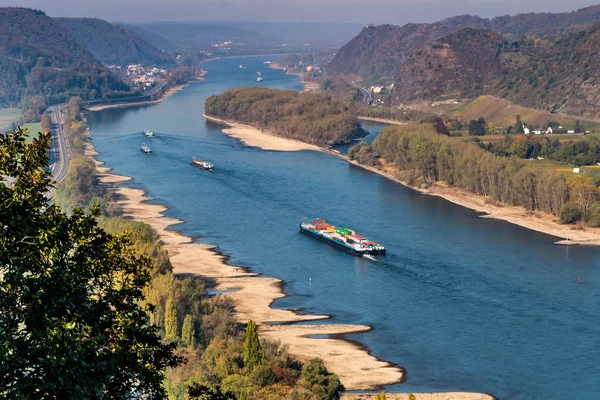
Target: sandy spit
pixel 266 140
pixel 306 85
pixel 384 120
pixel 357 369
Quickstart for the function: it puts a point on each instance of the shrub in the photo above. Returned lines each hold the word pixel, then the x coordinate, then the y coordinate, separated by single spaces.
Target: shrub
pixel 570 214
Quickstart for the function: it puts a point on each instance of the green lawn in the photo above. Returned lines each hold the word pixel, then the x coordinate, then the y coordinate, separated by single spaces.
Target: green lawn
pixel 32 129
pixel 8 116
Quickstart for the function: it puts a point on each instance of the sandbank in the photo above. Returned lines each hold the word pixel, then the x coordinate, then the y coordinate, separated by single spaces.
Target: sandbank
pixel 252 136
pixel 306 85
pixel 384 120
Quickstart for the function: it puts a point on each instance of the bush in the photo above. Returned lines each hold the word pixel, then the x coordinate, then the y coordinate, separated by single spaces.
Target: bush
pixel 570 214
pixel 263 376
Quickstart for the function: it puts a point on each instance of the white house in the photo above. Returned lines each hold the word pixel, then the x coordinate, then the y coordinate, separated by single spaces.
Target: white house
pixel 525 129
pixel 549 130
pixel 570 131
pixel 575 170
pixel 537 132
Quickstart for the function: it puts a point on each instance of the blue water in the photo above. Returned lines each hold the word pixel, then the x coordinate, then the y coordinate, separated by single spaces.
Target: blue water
pixel 463 303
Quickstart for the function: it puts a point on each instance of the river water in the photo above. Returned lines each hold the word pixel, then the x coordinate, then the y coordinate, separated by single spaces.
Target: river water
pixel 463 303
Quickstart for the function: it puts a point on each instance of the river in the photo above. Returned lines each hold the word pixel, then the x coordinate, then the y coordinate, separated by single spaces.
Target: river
pixel 463 303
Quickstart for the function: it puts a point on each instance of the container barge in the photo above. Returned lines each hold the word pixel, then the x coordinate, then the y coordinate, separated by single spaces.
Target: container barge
pixel 342 238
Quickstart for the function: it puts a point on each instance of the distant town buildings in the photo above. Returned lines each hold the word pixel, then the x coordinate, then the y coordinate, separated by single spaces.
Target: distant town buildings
pixel 140 77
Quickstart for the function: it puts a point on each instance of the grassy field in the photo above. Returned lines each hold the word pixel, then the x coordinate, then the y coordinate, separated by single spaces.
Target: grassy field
pixel 32 129
pixel 501 113
pixel 8 116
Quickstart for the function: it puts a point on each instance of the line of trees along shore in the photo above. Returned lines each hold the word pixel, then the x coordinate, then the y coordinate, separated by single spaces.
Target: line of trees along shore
pixel 223 360
pixel 423 156
pixel 310 117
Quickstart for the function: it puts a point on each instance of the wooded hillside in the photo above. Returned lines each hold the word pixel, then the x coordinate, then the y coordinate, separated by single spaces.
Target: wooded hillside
pixel 114 44
pixel 378 51
pixel 38 57
pixel 309 117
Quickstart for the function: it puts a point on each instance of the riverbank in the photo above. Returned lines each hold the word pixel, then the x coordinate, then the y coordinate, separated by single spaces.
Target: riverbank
pixel 168 93
pixel 382 120
pixel 254 294
pixel 266 140
pixel 537 221
pixel 422 396
pixel 306 85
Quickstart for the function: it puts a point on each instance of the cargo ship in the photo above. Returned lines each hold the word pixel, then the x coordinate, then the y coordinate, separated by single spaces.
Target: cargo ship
pixel 342 238
pixel 203 165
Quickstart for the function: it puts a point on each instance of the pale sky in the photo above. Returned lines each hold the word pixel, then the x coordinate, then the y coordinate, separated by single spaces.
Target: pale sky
pixel 361 11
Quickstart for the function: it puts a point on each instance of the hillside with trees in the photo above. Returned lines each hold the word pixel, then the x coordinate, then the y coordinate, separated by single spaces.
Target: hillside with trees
pixel 42 64
pixel 378 51
pixel 556 75
pixel 309 117
pixel 114 44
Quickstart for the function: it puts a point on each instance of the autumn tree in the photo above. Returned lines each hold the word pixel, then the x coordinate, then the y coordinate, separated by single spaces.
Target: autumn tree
pixel 253 354
pixel 381 396
pixel 582 190
pixel 171 323
pixel 188 334
pixel 72 320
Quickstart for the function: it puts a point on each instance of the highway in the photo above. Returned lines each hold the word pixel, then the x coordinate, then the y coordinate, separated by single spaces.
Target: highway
pixel 60 153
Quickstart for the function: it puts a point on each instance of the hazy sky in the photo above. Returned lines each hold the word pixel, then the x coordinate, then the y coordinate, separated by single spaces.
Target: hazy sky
pixel 362 11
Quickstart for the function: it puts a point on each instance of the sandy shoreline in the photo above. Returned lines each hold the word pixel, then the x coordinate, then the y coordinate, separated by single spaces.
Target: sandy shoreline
pixel 252 136
pixel 357 369
pixel 423 396
pixel 172 90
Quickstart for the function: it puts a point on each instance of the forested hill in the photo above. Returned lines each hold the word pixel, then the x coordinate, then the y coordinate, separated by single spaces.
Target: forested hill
pixel 462 64
pixel 551 74
pixel 38 57
pixel 379 50
pixel 309 117
pixel 114 44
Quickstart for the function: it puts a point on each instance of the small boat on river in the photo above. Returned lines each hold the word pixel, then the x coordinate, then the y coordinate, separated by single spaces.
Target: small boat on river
pixel 259 79
pixel 148 133
pixel 203 165
pixel 146 149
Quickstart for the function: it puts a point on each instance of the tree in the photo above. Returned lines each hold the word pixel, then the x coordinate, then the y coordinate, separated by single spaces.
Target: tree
pixel 411 397
pixel 582 190
pixel 477 127
pixel 72 319
pixel 188 334
pixel 171 328
pixel 578 128
pixel 253 354
pixel 519 125
pixel 322 383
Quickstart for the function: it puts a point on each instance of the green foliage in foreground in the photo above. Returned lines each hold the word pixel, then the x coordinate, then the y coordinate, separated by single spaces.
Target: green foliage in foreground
pixel 72 323
pixel 253 355
pixel 309 117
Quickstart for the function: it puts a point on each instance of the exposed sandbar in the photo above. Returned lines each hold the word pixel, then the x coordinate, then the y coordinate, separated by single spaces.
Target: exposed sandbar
pixel 265 140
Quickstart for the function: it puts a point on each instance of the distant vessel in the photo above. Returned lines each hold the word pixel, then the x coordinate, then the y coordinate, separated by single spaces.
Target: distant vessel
pixel 241 66
pixel 342 238
pixel 259 73
pixel 259 79
pixel 203 165
pixel 148 133
pixel 146 149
